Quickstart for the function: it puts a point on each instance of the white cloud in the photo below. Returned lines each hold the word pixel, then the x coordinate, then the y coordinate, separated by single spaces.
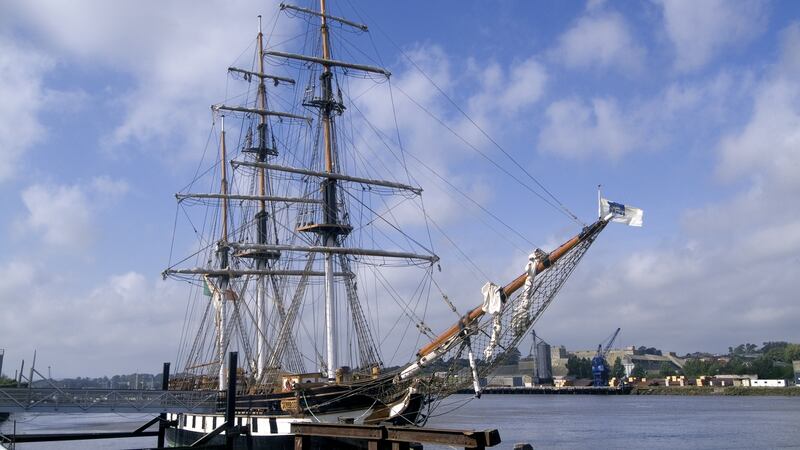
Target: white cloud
pixel 176 54
pixel 701 29
pixel 60 213
pixel 507 92
pixel 22 70
pixel 18 275
pixel 613 127
pixel 64 215
pixel 114 327
pixel 734 261
pixel 108 187
pixel 578 129
pixel 600 39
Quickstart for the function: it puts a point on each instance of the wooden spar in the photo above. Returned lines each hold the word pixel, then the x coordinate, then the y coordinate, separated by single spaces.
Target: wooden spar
pixel 269 198
pixel 335 249
pixel 335 176
pixel 262 119
pixel 275 78
pixel 327 16
pixel 224 181
pixel 230 273
pixel 326 69
pixel 512 287
pixel 330 62
pixel 261 112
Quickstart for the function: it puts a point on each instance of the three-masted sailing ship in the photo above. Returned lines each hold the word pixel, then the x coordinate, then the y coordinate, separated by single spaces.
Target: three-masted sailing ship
pixel 298 231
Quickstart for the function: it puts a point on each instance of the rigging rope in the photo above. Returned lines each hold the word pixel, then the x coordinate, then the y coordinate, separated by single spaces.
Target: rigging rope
pixel 559 207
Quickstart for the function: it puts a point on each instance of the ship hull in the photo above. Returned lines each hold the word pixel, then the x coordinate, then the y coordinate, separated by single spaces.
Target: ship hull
pixel 273 432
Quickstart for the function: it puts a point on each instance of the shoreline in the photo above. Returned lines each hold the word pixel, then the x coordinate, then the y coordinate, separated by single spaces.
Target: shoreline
pixel 791 391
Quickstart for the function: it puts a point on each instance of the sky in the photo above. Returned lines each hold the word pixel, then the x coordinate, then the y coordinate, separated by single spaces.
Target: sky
pixel 687 109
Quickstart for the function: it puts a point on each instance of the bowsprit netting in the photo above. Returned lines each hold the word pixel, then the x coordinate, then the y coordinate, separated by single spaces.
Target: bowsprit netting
pixel 453 372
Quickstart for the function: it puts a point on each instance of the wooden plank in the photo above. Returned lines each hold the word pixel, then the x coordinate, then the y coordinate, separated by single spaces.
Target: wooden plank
pixel 339 430
pixel 436 436
pixel 466 438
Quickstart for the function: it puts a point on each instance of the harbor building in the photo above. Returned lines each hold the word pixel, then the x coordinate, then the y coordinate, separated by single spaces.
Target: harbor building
pixel 768 383
pixel 631 358
pixel 558 361
pixel 796 366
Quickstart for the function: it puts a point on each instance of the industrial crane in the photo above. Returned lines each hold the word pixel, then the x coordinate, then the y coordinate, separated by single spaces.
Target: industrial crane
pixel 599 364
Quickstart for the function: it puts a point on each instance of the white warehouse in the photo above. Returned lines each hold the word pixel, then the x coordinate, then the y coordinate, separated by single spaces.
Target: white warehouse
pixel 768 383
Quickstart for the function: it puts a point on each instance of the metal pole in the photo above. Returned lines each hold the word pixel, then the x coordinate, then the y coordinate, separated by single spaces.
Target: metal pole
pixel 223 252
pixel 599 202
pixel 162 423
pixel 230 407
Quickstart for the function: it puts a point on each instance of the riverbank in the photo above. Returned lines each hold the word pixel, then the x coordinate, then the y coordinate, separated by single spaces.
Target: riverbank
pixel 714 390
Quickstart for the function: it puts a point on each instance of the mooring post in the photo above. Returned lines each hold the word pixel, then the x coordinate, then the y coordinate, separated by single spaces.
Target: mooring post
pixel 162 423
pixel 230 407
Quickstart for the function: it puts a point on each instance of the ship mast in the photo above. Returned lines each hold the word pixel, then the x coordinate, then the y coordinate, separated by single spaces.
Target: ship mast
pixel 261 216
pixel 329 198
pixel 222 252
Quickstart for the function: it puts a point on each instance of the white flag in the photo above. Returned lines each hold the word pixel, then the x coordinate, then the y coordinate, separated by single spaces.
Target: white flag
pixel 621 213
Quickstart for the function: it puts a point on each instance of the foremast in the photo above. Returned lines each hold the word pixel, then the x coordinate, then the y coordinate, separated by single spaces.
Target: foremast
pixel 221 292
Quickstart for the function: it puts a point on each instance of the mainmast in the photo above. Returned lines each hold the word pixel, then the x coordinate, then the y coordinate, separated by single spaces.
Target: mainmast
pixel 261 216
pixel 329 196
pixel 331 228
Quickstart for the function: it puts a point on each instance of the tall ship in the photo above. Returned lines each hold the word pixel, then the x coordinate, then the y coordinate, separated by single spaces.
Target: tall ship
pixel 313 258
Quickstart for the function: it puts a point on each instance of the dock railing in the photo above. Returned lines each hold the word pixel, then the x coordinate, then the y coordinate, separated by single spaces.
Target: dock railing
pixel 16 400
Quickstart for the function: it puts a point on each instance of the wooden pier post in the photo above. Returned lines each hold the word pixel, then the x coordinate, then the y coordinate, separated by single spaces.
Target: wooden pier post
pixel 230 407
pixel 162 422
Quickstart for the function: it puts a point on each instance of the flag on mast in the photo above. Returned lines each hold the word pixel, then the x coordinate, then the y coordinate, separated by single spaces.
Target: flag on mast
pixel 621 213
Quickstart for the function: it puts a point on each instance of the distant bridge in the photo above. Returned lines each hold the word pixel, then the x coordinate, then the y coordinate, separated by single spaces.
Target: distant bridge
pixel 17 400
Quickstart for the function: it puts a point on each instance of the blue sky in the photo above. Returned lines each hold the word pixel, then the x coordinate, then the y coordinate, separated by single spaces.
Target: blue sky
pixel 690 110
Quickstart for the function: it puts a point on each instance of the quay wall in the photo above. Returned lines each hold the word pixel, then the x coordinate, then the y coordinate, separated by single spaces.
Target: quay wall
pixel 793 391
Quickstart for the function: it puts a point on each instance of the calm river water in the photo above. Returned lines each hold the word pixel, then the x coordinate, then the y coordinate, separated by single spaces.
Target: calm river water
pixel 545 421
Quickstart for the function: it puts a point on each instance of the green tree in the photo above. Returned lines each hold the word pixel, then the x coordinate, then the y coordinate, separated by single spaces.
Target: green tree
pixel 572 366
pixel 512 356
pixel 736 366
pixel 618 370
pixel 579 367
pixel 666 369
pixel 638 371
pixel 791 353
pixel 698 367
